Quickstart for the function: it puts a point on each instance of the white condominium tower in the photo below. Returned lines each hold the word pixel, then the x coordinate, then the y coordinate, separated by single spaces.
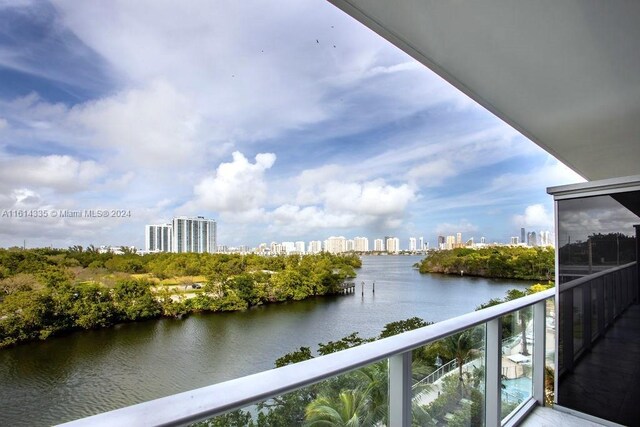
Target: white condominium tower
pixel 157 238
pixel 393 245
pixel 315 247
pixel 336 245
pixel 193 235
pixel 361 244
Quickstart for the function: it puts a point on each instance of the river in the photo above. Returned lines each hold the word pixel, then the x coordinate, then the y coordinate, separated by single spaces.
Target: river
pixel 89 372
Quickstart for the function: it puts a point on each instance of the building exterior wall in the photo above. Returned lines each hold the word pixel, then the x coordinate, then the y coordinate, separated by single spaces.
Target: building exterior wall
pixel 158 237
pixel 194 235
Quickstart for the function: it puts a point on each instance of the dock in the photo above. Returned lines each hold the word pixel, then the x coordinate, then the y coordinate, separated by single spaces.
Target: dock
pixel 347 288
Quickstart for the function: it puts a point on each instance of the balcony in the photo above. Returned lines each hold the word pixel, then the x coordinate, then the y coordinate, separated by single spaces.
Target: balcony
pixel 404 395
pixel 498 362
pixel 504 355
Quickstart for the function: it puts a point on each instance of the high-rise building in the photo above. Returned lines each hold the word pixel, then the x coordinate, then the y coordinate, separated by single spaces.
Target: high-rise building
pixel 361 244
pixel 451 242
pixel 157 238
pixel 300 247
pixel 522 235
pixel 276 248
pixel 193 234
pixel 458 238
pixel 532 239
pixel 336 245
pixel 413 244
pixel 421 243
pixel 288 247
pixel 378 245
pixel 350 245
pixel 315 247
pixel 393 245
pixel 514 240
pixel 483 240
pixel 469 242
pixel 442 241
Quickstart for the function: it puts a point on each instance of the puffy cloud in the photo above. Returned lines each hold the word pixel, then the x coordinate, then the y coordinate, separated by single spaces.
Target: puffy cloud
pixel 60 173
pixel 3 123
pixel 535 216
pixel 237 186
pixel 151 127
pixel 372 198
pixel 342 205
pixel 310 217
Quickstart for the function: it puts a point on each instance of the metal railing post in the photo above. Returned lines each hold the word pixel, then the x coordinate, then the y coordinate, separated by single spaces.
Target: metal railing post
pixel 539 350
pixel 586 317
pixel 493 377
pixel 600 301
pixel 566 329
pixel 400 394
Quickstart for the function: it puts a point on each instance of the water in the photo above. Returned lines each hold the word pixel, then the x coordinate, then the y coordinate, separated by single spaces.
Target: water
pixel 517 389
pixel 89 372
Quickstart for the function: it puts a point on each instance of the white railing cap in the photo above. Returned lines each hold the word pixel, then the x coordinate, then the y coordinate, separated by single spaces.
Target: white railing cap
pixel 202 403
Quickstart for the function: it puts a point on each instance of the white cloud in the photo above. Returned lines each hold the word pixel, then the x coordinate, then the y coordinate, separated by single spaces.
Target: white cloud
pixel 60 173
pixel 343 205
pixel 433 173
pixel 238 186
pixel 374 198
pixel 535 216
pixel 152 127
pixel 189 85
pixel 549 174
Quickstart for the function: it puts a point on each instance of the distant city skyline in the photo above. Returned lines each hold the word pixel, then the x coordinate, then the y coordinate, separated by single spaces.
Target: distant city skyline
pixel 303 125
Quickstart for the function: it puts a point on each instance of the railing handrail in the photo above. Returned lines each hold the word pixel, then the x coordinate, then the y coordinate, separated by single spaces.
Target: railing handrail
pixel 436 372
pixel 202 403
pixel 588 278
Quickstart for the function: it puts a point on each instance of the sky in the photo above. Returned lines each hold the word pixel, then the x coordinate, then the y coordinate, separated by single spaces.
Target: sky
pixel 282 120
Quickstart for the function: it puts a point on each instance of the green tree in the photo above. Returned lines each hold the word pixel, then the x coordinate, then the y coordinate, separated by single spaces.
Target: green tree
pixel 460 347
pixel 303 353
pixel 349 408
pixel 351 340
pixel 134 300
pixel 401 326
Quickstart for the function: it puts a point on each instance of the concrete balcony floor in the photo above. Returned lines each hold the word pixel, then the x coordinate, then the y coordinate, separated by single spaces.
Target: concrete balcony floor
pixel 547 417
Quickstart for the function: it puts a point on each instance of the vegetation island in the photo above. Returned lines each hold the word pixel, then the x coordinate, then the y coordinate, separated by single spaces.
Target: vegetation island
pixel 44 292
pixel 500 262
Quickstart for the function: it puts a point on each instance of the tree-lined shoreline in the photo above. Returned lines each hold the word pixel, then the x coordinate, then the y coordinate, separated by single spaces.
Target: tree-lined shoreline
pixel 47 292
pixel 499 262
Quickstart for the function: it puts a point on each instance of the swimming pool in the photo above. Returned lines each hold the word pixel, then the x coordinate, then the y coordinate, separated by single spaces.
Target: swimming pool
pixel 516 390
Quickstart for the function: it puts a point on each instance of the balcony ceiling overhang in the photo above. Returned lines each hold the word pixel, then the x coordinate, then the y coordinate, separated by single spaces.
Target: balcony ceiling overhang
pixel 565 74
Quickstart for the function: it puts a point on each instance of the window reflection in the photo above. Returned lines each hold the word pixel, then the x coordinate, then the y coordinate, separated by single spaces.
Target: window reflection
pixel 594 234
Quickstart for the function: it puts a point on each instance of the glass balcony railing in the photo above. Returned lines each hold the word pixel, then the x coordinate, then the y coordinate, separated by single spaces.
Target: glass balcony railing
pixel 489 371
pixel 589 305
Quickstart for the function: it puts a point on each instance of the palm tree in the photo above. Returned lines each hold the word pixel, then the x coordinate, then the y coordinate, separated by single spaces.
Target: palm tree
pixel 525 316
pixel 459 346
pixel 348 409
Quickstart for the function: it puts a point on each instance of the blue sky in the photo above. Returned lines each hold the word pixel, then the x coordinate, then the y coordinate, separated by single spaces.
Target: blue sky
pixel 282 120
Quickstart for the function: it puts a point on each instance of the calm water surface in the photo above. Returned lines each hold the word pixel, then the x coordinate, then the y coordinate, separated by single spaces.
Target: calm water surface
pixel 90 372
